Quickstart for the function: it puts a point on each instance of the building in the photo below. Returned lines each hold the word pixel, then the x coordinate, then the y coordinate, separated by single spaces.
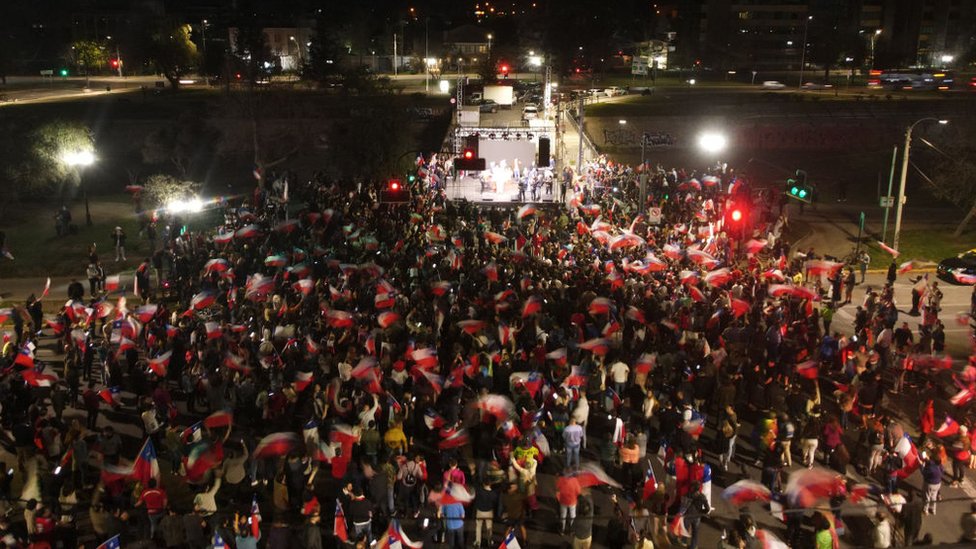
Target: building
pixel 288 46
pixel 469 42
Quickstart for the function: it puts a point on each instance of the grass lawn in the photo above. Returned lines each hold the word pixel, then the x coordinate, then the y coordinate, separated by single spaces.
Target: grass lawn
pixel 922 245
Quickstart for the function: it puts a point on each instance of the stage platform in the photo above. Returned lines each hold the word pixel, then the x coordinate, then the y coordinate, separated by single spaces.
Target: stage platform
pixel 469 188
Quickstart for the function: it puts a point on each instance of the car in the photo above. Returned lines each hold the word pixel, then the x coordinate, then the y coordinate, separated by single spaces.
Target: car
pixel 475 98
pixel 816 86
pixel 963 265
pixel 488 105
pixel 597 92
pixel 530 111
pixel 773 85
pixel 972 83
pixel 614 91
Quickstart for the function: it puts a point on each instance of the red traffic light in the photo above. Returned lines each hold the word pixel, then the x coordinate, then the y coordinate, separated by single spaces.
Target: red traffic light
pixel 114 63
pixel 505 69
pixel 468 154
pixel 736 215
pixel 394 185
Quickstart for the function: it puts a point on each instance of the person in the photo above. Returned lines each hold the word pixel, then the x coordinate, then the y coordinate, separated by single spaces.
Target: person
pixel 154 500
pixel 453 515
pixel 486 504
pixel 572 441
pixel 583 525
pixel 694 507
pixel 911 517
pixel 863 262
pixel 568 491
pixel 360 514
pixel 93 277
pixel 882 536
pixel 118 240
pixel 171 528
pixel 932 473
pixel 968 524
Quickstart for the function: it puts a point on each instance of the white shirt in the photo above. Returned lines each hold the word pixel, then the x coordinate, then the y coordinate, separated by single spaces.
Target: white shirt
pixel 619 372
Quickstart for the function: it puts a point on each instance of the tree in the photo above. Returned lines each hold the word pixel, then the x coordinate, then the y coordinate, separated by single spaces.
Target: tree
pixel 171 50
pixel 90 56
pixel 953 170
pixel 182 144
pixel 35 155
pixel 326 49
pixel 159 189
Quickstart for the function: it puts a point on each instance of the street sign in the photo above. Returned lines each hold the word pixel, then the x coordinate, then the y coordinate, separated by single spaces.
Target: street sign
pixel 639 66
pixel 48 72
pixel 887 201
pixel 654 216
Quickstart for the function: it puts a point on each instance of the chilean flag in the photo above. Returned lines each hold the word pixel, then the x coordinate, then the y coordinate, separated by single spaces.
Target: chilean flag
pixel 600 306
pixel 948 428
pixel 495 238
pixel 146 466
pixel 718 277
pixel 650 483
pixel 112 283
pixel 504 333
pixel 425 358
pixel 454 439
pixel 37 379
pixel 806 487
pixel 510 542
pixel 339 528
pixel 146 312
pixel 491 272
pixel 304 286
pixel 433 420
pixel 303 380
pixel 24 358
pixel 214 330
pixel 255 517
pixel 160 364
pixel 532 306
pixel 745 491
pixel 808 369
pixel 440 288
pixel 645 363
pixel 576 378
pixel 387 319
pixel 384 301
pixel 591 474
pixel 203 300
pixel 111 395
pixel 739 307
pixel 248 231
pixel 363 368
pixel 471 326
pixel 635 314
pixel 338 319
pixel 889 249
pixel 558 356
pixel 909 455
pixel 453 493
pixel 311 346
pixel 111 543
pixel 220 418
pixel 396 538
pixel 598 346
pixel 525 211
pixel 498 406
pixel 276 444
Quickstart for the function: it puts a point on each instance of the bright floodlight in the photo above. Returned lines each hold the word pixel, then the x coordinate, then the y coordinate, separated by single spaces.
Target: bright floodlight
pixel 622 122
pixel 78 158
pixel 535 60
pixel 943 121
pixel 190 205
pixel 712 142
pixel 444 86
pixel 947 58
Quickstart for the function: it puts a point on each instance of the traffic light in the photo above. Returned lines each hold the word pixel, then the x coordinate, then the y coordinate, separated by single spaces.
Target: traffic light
pixel 504 70
pixel 799 190
pixel 469 160
pixel 736 215
pixel 114 63
pixel 395 193
pixel 64 72
pixel 736 218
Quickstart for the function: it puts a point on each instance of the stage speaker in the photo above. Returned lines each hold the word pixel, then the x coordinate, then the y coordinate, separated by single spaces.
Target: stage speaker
pixel 543 152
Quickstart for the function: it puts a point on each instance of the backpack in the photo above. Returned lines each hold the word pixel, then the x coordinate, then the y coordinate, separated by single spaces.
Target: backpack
pixel 700 505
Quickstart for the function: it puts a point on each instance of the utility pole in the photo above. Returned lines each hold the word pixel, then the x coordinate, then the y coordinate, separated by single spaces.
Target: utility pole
pixel 118 58
pixel 803 54
pixel 579 156
pixel 394 55
pixel 427 54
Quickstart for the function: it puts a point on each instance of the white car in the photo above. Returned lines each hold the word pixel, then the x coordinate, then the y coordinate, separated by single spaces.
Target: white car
pixel 530 111
pixel 773 85
pixel 816 86
pixel 614 91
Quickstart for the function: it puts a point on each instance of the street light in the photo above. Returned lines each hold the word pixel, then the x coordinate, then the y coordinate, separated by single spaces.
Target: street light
pixel 712 142
pixel 874 38
pixel 803 54
pixel 489 45
pixel 946 59
pixel 904 175
pixel 80 160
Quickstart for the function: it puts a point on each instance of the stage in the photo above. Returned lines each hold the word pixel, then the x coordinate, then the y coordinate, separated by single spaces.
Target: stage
pixel 470 188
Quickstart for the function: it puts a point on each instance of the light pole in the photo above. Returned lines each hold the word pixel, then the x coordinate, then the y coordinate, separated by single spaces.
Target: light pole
pixel 904 176
pixel 427 54
pixel 79 160
pixel 803 50
pixel 874 38
pixel 489 47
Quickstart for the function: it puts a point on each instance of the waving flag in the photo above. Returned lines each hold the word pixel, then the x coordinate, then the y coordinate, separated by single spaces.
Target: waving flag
pixel 396 538
pixel 248 231
pixel 701 258
pixel 112 283
pixel 455 439
pixel 495 238
pixel 889 249
pixel 363 368
pixel 808 369
pixel 433 420
pixel 600 306
pixel 753 246
pixel 688 277
pixel 774 274
pixel 806 487
pixel 258 287
pixel 471 326
pixel 255 517
pixel 769 540
pixel 111 395
pixel 645 363
pixel 304 286
pixel 718 277
pixel 963 397
pixel 440 287
pixel 452 493
pixel 146 312
pixel 425 357
pixel 35 378
pixel 510 542
pixel 160 364
pixel 384 301
pixel 591 474
pixel 111 543
pixel 626 241
pixel 525 211
pixel 598 346
pixel 339 527
pixel 276 444
pixel 24 358
pixel 491 271
pixel 745 491
pixel 739 307
pixel 203 300
pixel 650 483
pixel 948 428
pixel 338 319
pixel 387 319
pixel 497 406
pixel 220 418
pixel 146 466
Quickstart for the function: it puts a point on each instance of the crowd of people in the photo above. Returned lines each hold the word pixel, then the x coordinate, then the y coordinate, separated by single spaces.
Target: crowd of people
pixel 335 370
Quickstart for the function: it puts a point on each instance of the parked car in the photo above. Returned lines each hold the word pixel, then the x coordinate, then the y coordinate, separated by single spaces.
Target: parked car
pixel 963 264
pixel 529 112
pixel 475 98
pixel 614 91
pixel 597 92
pixel 488 105
pixel 773 85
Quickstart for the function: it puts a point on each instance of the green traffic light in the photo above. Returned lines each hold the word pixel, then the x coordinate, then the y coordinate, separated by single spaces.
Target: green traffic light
pixel 411 178
pixel 795 191
pixel 803 193
pixel 64 72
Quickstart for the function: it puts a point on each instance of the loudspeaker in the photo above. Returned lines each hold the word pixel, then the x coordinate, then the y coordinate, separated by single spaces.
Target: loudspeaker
pixel 543 152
